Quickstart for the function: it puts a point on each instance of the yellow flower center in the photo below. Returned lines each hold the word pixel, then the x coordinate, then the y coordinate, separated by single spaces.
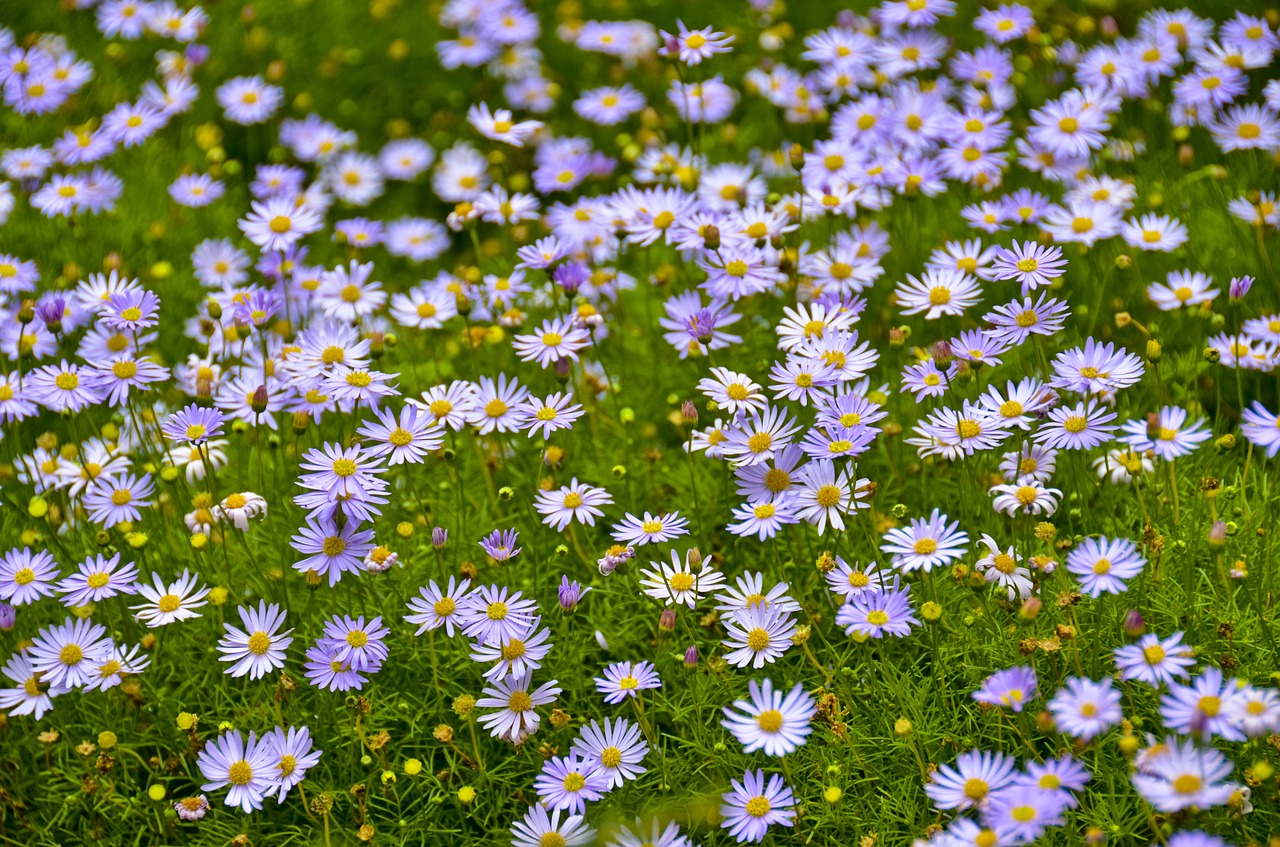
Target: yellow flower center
pixel 240 773
pixel 259 643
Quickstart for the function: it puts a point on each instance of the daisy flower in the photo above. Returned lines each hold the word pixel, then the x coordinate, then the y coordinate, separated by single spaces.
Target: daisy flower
pixel 1029 497
pixel 826 495
pixel 973 778
pixel 174 602
pixel 764 519
pixel 875 614
pixel 1025 814
pixel 925 544
pixel 1181 775
pixel 293 756
pixel 557 411
pixel 95 579
pixel 1154 660
pixel 499 125
pixel 1205 708
pixel 331 550
pixel 277 223
pixel 677 583
pixel 259 648
pixel 1154 232
pixel 26 577
pixel 408 437
pixel 614 750
pixel 1104 564
pixel 244 766
pixel 514 719
pixel 758 634
pixel 1184 288
pixel 1085 709
pixel 568 782
pixel 494 405
pixel 1012 688
pixel 848 581
pixel 937 292
pixel 1002 568
pixel 1014 322
pixel 193 425
pixel 556 339
pixel 575 501
pixel 734 392
pixel 771 721
pixel 539 828
pixel 650 529
pixel 29 696
pixel 1096 368
pixel 625 679
pixel 750 807
pixel 68 655
pixel 691 46
pixel 493 616
pixel 1080 427
pixel 114 500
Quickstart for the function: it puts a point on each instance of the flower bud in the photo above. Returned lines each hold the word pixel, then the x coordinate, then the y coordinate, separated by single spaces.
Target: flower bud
pixel 1124 262
pixel 691 656
pixel 1218 534
pixel 689 412
pixel 1030 609
pixel 667 620
pixel 439 537
pixel 1154 351
pixel 259 402
pixel 902 727
pixel 711 236
pixel 1134 625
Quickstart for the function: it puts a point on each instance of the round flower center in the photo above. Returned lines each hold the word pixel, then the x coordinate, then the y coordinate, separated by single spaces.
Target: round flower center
pixel 975 789
pixel 71 654
pixel 1188 783
pixel 760 442
pixel 611 757
pixel 968 428
pixel 95 580
pixel 332 355
pixel 519 701
pixel 169 603
pixel 770 720
pixel 681 581
pixel 572 500
pixel 280 224
pixel 1075 423
pixel 1004 563
pixel 574 782
pixel 333 545
pixel 877 617
pixel 495 408
pixel 1102 566
pixel 758 807
pixel 736 267
pixel 1154 654
pixel 764 511
pixel 513 650
pixel 196 431
pixel 1026 494
pixel 67 381
pixel 1023 814
pixel 121 497
pixel 939 295
pixel 1209 705
pixel 827 496
pixel 758 639
pixel 925 546
pixel 259 643
pixel 344 467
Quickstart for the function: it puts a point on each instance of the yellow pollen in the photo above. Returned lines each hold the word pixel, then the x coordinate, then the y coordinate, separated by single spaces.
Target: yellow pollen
pixel 259 643
pixel 240 773
pixel 169 603
pixel 681 581
pixel 925 546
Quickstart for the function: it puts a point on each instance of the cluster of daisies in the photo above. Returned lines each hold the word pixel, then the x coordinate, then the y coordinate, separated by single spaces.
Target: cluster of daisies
pixel 288 338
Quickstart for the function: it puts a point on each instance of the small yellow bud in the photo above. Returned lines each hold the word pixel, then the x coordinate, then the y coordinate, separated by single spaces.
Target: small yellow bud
pixel 157 793
pixel 107 739
pixel 412 767
pixel 832 794
pixel 902 727
pixel 466 794
pixel 187 721
pixel 217 595
pixel 38 507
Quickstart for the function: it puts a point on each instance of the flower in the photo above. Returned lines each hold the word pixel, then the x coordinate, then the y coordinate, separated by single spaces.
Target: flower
pixel 677 584
pixel 650 529
pixel 95 579
pixel 750 807
pixel 1012 688
pixel 971 780
pixel 874 614
pixel 259 648
pixel 67 655
pixel 758 634
pixel 1204 708
pixel 515 718
pixel 624 679
pixel 1154 660
pixel 540 828
pixel 1179 775
pixel 493 615
pixel 174 602
pixel 1103 564
pixel 925 544
pixel 1086 709
pixel 436 607
pixel 567 782
pixel 614 751
pixel 246 766
pixel 26 577
pixel 294 756
pixel 770 721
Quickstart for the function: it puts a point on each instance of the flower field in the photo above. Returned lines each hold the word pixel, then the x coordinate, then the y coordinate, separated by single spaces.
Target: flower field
pixel 552 424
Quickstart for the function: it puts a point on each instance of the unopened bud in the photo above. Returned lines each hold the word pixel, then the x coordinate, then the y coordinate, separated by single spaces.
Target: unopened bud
pixel 1030 609
pixel 691 656
pixel 1186 154
pixel 689 412
pixel 941 353
pixel 1124 262
pixel 1154 351
pixel 213 309
pixel 1218 533
pixel 259 402
pixel 1134 625
pixel 667 620
pixel 301 420
pixel 711 236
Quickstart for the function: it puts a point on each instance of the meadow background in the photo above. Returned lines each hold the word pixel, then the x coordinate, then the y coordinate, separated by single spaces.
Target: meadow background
pixel 894 708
